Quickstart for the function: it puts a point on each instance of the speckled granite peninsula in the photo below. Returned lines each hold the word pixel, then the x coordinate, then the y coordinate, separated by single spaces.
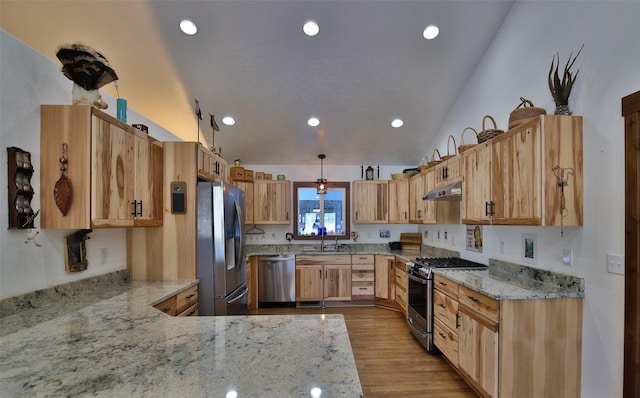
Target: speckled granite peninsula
pixel 123 347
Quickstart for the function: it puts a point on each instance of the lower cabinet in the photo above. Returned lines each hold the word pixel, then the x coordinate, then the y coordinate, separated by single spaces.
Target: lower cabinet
pixel 385 281
pixel 510 348
pixel 323 277
pixel 184 303
pixel 402 286
pixel 362 276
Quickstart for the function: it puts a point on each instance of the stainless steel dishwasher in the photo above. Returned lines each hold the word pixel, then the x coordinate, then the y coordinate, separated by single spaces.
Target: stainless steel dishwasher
pixel 277 279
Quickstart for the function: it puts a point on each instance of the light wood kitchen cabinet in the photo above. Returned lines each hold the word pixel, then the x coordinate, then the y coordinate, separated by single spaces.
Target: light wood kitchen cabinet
pixel 501 342
pixel 115 170
pixel 211 167
pixel 247 188
pixel 448 171
pixel 422 211
pixel 362 276
pixel 323 277
pixel 402 285
pixel 370 202
pixel 398 201
pixel 184 303
pixel 385 281
pixel 272 202
pixel 527 167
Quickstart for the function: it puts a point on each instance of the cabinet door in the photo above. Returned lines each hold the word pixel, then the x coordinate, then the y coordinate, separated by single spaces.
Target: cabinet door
pixel 429 206
pixel 448 172
pixel 478 353
pixel 385 278
pixel 309 283
pixel 337 282
pixel 148 162
pixel 416 192
pixel 399 202
pixel 517 181
pixel 272 202
pixel 477 188
pixel 112 177
pixel 370 202
pixel 210 166
pixel 247 188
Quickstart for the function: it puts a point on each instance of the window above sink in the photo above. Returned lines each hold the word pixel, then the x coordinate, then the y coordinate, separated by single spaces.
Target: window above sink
pixel 315 213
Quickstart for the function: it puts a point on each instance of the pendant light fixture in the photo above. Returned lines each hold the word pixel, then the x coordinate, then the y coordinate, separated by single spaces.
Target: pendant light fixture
pixel 321 182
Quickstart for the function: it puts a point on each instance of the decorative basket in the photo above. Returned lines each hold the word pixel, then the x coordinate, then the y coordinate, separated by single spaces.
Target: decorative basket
pixel 524 112
pixel 463 147
pixel 400 176
pixel 433 160
pixel 423 168
pixel 449 155
pixel 487 134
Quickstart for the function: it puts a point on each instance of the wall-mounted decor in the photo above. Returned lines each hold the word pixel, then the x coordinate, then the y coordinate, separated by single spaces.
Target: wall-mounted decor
pixel 76 251
pixel 474 238
pixel 529 248
pixel 20 192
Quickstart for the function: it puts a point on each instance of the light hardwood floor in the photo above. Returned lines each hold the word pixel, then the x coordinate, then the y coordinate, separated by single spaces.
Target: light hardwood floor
pixel 390 362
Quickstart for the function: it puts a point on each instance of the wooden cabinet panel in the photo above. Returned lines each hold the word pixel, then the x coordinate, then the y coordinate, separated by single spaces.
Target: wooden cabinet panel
pixel 370 202
pixel 385 280
pixel 398 202
pixel 448 171
pixel 477 191
pixel 211 167
pixel 272 202
pixel 445 309
pixel 445 285
pixel 115 170
pixel 478 353
pixel 247 188
pixel 168 306
pixel 362 277
pixel 483 305
pixel 446 339
pixel 337 282
pixel 309 282
pixel 186 299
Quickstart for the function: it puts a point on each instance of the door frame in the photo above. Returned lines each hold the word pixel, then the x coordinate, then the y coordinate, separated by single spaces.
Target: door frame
pixel 631 114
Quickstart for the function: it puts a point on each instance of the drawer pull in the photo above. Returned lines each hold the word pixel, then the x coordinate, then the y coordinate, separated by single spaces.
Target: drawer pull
pixel 457 321
pixel 442 305
pixel 191 313
pixel 362 288
pixel 165 310
pixel 442 283
pixel 191 295
pixel 444 336
pixel 475 300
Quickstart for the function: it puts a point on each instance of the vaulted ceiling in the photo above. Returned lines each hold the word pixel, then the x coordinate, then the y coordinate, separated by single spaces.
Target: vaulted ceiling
pixel 368 65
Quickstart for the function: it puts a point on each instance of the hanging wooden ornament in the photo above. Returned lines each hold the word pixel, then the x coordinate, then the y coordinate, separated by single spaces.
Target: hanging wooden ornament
pixel 62 192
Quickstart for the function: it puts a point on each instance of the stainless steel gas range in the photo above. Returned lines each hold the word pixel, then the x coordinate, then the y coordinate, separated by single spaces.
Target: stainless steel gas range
pixel 420 303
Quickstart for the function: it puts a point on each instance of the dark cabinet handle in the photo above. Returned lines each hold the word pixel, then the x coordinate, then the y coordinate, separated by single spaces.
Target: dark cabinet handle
pixel 442 305
pixel 191 313
pixel 135 208
pixel 165 310
pixel 457 321
pixel 140 212
pixel 442 283
pixel 475 300
pixel 444 336
pixel 191 295
pixel 486 209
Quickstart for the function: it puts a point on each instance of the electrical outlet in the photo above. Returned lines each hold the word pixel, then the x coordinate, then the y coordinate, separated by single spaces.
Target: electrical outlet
pixel 501 247
pixel 615 263
pixel 445 235
pixel 103 255
pixel 426 234
pixel 273 235
pixel 438 234
pixel 567 257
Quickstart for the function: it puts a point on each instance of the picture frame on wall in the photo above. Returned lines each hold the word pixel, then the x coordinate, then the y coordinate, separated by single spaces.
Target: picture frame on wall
pixel 474 238
pixel 529 248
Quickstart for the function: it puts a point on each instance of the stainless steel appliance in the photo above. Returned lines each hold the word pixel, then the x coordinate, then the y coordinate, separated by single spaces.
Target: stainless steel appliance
pixel 420 302
pixel 221 263
pixel 277 279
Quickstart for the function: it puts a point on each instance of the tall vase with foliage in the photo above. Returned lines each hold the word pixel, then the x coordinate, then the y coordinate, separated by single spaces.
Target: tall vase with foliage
pixel 561 88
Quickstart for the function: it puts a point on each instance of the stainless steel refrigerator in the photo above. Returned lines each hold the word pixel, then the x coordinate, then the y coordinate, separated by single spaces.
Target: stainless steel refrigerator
pixel 221 262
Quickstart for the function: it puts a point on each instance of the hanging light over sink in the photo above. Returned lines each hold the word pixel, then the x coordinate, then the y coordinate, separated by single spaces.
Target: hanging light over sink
pixel 321 182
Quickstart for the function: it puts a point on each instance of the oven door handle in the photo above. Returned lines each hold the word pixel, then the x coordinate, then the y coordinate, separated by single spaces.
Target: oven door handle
pixel 420 332
pixel 416 279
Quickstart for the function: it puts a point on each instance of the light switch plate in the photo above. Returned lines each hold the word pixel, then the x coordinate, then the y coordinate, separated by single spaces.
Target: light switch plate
pixel 615 263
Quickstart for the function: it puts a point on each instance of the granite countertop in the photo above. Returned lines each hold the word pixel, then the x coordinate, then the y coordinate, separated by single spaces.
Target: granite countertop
pixel 504 281
pixel 122 346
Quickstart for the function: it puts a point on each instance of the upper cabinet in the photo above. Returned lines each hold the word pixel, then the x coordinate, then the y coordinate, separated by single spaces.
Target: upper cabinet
pixel 112 176
pixel 398 201
pixel 247 188
pixel 370 202
pixel 448 171
pixel 530 175
pixel 211 167
pixel 422 211
pixel 271 202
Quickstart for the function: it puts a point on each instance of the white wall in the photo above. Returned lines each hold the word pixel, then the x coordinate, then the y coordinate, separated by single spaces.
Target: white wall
pixel 34 259
pixel 516 65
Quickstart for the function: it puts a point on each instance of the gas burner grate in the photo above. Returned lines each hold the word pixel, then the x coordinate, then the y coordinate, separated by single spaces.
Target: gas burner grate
pixel 449 262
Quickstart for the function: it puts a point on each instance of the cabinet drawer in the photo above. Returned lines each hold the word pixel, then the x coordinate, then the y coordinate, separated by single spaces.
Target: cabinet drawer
pixel 191 311
pixel 401 297
pixel 446 340
pixel 362 289
pixel 323 259
pixel 483 305
pixel 446 285
pixel 168 306
pixel 401 279
pixel 362 276
pixel 362 259
pixel 445 309
pixel 186 298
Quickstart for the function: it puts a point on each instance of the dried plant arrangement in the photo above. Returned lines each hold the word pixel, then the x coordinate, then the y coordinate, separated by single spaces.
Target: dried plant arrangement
pixel 561 89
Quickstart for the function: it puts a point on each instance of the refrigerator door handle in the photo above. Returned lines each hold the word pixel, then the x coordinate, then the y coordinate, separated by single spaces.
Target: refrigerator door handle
pixel 235 299
pixel 240 219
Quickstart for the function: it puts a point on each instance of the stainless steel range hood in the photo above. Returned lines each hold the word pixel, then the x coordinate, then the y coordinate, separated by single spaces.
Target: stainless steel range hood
pixel 451 192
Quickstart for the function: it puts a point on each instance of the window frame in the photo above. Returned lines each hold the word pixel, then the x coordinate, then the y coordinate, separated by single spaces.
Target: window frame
pixel 346 206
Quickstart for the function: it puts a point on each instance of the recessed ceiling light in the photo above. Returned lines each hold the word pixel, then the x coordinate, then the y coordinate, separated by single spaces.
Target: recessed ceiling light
pixel 431 32
pixel 188 27
pixel 313 122
pixel 310 28
pixel 228 120
pixel 397 123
